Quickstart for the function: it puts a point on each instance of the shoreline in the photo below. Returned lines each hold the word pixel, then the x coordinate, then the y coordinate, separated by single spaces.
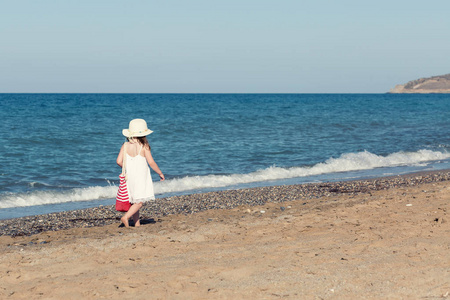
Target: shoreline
pixel 385 238
pixel 227 199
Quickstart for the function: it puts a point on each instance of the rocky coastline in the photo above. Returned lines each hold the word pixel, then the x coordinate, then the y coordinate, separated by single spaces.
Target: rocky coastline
pixel 430 85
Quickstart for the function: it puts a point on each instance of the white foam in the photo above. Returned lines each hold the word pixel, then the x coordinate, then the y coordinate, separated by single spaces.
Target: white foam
pixel 346 162
pixel 53 197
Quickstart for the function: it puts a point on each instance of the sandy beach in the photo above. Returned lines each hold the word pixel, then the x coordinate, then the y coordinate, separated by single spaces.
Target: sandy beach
pixel 363 240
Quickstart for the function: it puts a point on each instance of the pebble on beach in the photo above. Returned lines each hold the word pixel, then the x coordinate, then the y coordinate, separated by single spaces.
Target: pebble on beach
pixel 188 204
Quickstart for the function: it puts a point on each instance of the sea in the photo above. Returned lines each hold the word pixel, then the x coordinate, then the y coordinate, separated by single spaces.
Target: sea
pixel 58 151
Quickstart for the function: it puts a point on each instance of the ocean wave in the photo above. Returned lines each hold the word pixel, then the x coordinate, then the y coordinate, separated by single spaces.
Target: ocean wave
pixel 346 162
pixel 53 197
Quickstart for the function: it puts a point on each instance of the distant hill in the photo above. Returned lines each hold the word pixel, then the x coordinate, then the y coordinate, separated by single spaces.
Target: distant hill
pixel 435 84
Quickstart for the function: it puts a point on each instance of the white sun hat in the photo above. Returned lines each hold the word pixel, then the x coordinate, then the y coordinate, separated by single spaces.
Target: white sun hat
pixel 137 128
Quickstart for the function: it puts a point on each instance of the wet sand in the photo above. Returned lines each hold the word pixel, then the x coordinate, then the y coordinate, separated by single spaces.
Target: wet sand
pixel 387 238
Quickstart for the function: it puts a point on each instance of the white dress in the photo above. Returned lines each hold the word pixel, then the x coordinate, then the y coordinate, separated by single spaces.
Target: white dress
pixel 139 180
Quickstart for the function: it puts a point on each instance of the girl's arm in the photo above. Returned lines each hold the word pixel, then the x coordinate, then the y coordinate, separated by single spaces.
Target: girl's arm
pixel 120 157
pixel 152 163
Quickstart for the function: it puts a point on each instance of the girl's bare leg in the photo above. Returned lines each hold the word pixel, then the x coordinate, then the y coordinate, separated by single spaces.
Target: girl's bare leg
pixel 131 212
pixel 136 219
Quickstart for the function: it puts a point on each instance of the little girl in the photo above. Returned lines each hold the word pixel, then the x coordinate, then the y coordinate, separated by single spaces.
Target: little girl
pixel 138 158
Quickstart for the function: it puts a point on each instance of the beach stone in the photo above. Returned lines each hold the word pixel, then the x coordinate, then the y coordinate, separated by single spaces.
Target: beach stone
pixel 188 204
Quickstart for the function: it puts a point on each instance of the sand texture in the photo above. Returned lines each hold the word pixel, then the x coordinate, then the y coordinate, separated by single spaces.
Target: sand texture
pixel 387 243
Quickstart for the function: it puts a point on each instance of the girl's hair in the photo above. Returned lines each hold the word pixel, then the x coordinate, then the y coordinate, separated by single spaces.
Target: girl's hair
pixel 141 140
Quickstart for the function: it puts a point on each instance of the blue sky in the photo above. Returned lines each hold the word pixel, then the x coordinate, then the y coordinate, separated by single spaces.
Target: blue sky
pixel 244 46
